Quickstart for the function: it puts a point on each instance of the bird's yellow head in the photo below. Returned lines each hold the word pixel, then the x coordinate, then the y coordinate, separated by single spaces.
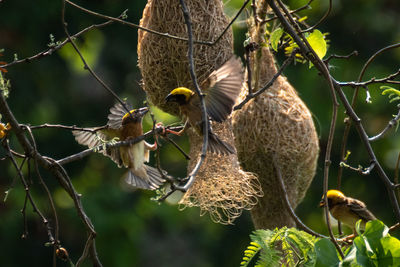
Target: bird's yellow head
pixel 135 115
pixel 334 197
pixel 181 95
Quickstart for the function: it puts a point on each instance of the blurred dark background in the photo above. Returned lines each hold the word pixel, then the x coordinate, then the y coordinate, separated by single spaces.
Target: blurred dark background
pixel 132 230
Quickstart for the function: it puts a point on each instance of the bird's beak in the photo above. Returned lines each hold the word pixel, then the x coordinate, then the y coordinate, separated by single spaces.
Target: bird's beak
pixel 169 98
pixel 143 111
pixel 321 203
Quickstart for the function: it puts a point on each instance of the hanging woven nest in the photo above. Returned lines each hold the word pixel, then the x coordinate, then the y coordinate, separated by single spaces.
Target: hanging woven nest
pixel 163 61
pixel 221 188
pixel 278 126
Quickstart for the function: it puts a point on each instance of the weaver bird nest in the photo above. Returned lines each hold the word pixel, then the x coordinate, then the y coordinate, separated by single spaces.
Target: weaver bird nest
pixel 275 126
pixel 221 188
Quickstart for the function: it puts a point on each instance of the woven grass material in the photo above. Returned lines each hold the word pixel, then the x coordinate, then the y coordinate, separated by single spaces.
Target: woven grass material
pixel 221 188
pixel 164 62
pixel 278 126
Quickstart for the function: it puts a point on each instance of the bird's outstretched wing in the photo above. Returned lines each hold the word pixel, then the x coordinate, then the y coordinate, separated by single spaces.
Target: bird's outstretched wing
pixel 90 139
pixel 95 139
pixel 360 209
pixel 222 89
pixel 116 114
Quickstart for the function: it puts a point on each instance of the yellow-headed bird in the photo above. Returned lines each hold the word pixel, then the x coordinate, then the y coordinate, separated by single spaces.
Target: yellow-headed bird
pixel 346 209
pixel 221 90
pixel 125 126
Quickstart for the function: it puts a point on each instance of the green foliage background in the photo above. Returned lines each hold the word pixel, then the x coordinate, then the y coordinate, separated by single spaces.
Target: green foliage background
pixel 133 231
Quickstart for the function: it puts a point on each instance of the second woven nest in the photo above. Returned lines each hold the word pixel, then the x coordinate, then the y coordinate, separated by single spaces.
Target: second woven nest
pixel 221 188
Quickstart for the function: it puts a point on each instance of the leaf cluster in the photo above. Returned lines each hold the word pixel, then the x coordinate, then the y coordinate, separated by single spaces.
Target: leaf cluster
pixel 284 246
pixel 316 39
pixel 292 247
pixel 374 247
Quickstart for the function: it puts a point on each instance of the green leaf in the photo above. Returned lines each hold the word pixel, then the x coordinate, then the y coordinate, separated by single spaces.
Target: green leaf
pixel 375 247
pixel 350 258
pixel 326 253
pixel 275 38
pixel 358 227
pixel 280 247
pixel 375 230
pixel 389 90
pixel 390 255
pixel 317 42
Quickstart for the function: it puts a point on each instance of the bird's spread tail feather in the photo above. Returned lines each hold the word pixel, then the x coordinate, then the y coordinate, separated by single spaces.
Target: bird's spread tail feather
pixel 217 146
pixel 155 179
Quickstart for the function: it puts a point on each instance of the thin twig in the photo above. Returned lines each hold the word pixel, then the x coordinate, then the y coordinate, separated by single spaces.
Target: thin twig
pixel 29 196
pixel 166 35
pixel 71 128
pixel 204 117
pixel 158 145
pixel 360 169
pixel 291 12
pixel 187 157
pixel 130 24
pixel 348 123
pixel 52 49
pixel 85 253
pixel 48 164
pixel 230 23
pixel 364 138
pixel 86 152
pixel 371 81
pixel 322 19
pixel 86 66
pixel 293 30
pixel 270 83
pixel 396 177
pixel 49 197
pixel 328 59
pixel 394 227
pixel 393 122
pixel 287 202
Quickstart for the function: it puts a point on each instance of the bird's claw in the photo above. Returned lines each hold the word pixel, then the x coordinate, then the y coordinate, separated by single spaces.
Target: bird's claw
pixel 161 126
pixel 166 130
pixel 347 239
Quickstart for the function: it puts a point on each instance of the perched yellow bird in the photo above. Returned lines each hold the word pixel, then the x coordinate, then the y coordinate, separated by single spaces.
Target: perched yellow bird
pixel 221 90
pixel 346 209
pixel 125 126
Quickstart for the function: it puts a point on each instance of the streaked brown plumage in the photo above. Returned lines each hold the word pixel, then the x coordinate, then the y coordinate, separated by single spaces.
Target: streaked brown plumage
pixel 221 90
pixel 346 209
pixel 125 126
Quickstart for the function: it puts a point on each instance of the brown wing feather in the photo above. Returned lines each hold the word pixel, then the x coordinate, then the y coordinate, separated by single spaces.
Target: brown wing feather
pixel 360 209
pixel 116 114
pixel 92 140
pixel 222 88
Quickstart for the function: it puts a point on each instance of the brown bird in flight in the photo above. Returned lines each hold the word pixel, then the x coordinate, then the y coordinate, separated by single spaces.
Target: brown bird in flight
pixel 124 126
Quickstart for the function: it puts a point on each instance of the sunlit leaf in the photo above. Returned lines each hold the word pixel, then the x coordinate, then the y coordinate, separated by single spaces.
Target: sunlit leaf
pixel 275 38
pixel 317 42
